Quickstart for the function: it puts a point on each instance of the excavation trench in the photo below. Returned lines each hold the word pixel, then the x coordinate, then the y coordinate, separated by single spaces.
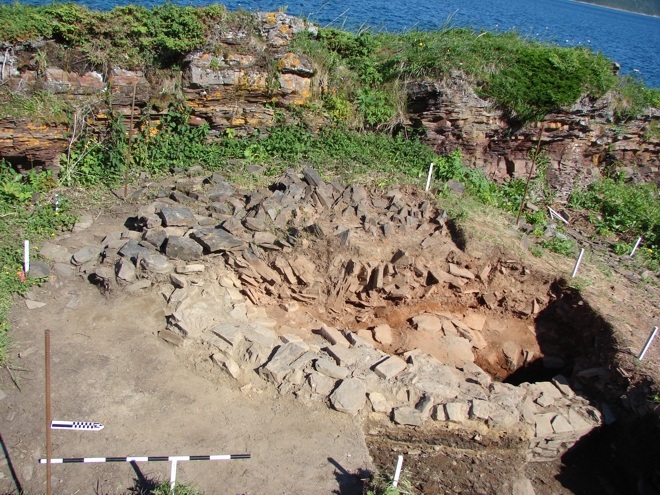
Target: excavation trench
pixel 365 303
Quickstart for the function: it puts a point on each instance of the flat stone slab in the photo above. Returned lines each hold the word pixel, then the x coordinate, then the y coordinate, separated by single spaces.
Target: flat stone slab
pixel 279 365
pixel 220 190
pixel 55 252
pixel 39 269
pixel 155 262
pixel 333 336
pixel 183 248
pixel 455 351
pixel 63 270
pixel 342 355
pixel 328 368
pixel 350 396
pixel 457 271
pixel 379 403
pixel 320 383
pixel 457 412
pixel 132 250
pixel 390 367
pixel 383 334
pixel 177 217
pixel 34 304
pixel 125 270
pixel 427 322
pixel 88 253
pixel 475 321
pixel 407 415
pixel 215 240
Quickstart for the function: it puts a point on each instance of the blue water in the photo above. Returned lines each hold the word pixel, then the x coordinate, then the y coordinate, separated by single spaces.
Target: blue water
pixel 633 40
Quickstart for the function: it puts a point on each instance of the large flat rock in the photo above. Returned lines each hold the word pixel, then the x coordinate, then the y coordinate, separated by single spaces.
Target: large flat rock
pixel 177 217
pixel 215 240
pixel 350 396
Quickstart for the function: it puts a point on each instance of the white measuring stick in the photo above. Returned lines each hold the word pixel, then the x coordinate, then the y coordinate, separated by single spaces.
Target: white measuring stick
pixel 556 215
pixel 164 458
pixel 577 263
pixel 648 343
pixel 632 253
pixel 173 475
pixel 397 472
pixel 75 425
pixel 428 179
pixel 26 256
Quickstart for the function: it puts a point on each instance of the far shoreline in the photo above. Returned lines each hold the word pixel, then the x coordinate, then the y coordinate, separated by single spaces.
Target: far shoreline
pixel 615 8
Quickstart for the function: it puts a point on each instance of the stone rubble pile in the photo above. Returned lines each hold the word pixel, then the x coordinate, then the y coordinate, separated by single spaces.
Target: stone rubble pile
pixel 218 256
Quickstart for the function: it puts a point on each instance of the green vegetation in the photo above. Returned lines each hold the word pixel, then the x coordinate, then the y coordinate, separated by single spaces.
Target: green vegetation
pixel 634 97
pixel 624 209
pixel 129 36
pixel 26 212
pixel 527 79
pixel 179 489
pixel 42 107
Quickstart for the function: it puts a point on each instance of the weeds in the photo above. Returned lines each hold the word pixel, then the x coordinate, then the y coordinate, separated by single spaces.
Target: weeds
pixel 25 213
pixel 527 79
pixel 565 247
pixel 625 209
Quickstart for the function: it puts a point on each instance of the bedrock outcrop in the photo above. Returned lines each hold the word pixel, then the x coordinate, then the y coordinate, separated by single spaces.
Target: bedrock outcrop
pixel 240 86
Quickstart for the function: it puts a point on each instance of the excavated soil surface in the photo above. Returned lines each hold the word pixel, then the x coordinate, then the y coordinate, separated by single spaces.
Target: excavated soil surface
pixel 157 399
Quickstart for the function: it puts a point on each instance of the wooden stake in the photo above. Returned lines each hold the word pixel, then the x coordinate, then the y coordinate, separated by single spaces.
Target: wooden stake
pixel 130 141
pixel 49 488
pixel 531 170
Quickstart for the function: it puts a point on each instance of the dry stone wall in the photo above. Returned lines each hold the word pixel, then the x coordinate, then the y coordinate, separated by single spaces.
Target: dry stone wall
pixel 220 257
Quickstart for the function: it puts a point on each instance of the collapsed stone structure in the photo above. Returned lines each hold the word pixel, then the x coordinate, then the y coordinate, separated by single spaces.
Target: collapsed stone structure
pixel 221 257
pixel 238 89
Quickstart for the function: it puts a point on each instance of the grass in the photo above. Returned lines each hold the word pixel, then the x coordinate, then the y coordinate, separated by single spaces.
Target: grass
pixel 22 217
pixel 624 209
pixel 131 36
pixel 525 78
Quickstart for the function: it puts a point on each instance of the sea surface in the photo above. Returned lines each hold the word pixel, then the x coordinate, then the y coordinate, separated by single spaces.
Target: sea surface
pixel 632 40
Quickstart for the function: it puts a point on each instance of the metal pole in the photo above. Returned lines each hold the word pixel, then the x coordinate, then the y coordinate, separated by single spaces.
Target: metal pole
pixel 130 142
pixel 529 176
pixel 648 343
pixel 577 263
pixel 428 179
pixel 632 253
pixel 49 488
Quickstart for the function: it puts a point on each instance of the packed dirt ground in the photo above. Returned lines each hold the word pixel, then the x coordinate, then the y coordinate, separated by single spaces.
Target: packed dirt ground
pixel 155 398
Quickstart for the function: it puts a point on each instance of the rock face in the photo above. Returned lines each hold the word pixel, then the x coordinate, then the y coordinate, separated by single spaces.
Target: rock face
pixel 236 89
pixel 580 141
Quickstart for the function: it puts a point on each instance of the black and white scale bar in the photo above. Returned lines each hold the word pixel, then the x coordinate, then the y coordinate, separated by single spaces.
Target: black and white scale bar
pixel 180 458
pixel 75 425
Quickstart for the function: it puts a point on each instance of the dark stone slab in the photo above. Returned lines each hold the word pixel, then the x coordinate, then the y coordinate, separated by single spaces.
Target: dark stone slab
pixel 217 240
pixel 39 269
pixel 254 224
pixel 180 197
pixel 177 217
pixel 132 250
pixel 221 207
pixel 313 178
pixel 220 190
pixel 183 248
pixel 155 238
